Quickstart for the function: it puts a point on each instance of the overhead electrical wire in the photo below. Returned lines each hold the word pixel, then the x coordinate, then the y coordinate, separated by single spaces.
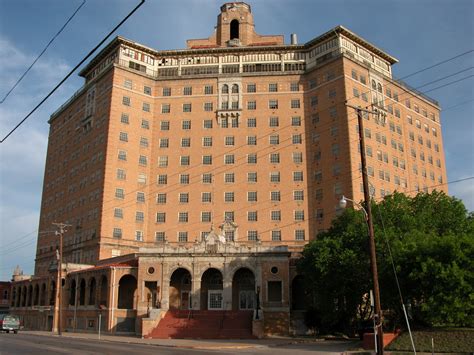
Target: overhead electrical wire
pixel 72 71
pixel 42 52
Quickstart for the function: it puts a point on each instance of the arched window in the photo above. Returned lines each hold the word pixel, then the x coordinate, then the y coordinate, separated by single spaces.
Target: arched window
pixel 82 292
pixel 72 293
pixel 379 87
pixel 234 29
pixel 235 89
pixel 92 291
pixel 374 85
pixel 225 89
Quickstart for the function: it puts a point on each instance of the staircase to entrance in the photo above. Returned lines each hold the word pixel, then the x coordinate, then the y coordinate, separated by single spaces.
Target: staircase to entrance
pixel 185 324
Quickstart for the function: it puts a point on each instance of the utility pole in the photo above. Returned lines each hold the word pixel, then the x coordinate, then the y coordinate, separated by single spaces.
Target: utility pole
pixel 59 278
pixel 373 259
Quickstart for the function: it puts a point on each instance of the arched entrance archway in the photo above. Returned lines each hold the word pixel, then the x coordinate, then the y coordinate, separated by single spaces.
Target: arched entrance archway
pixel 92 291
pixel 126 293
pixel 298 294
pixel 72 292
pixel 212 290
pixel 243 290
pixel 103 291
pixel 180 289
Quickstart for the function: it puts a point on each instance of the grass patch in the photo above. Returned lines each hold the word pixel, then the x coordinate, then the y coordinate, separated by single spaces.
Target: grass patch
pixel 447 340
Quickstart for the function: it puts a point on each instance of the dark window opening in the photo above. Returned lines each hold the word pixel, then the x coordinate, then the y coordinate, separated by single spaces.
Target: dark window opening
pixel 234 29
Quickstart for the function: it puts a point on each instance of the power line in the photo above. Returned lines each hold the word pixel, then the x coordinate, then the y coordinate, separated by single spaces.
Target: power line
pixel 437 64
pixel 457 105
pixel 72 71
pixel 42 52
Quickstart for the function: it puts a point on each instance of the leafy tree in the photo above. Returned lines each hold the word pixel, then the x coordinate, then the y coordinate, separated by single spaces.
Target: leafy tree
pixel 431 239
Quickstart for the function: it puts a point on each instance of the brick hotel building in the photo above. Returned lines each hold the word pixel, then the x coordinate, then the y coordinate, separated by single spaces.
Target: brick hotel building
pixel 192 178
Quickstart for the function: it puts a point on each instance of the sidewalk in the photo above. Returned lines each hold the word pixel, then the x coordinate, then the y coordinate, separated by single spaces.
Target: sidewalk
pixel 204 344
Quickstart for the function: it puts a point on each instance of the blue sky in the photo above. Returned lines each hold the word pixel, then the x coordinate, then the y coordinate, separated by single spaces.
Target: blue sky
pixel 419 33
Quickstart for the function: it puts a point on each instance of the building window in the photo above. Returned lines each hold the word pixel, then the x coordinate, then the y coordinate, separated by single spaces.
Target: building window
pixel 187 107
pixel 186 124
pixel 126 101
pixel 275 215
pixel 160 236
pixel 121 175
pixel 163 161
pixel 252 216
pixel 252 177
pixel 166 91
pixel 146 107
pixel 162 179
pixel 184 160
pixel 143 142
pixel 206 197
pixel 182 237
pixel 296 139
pixel 229 159
pixel 275 158
pixel 124 118
pixel 229 216
pixel 275 176
pixel 274 122
pixel 299 234
pixel 139 216
pixel 297 157
pixel 122 155
pixel 299 215
pixel 183 197
pixel 142 160
pixel 229 140
pixel 123 136
pixel 140 197
pixel 295 103
pixel 183 217
pixel 207 123
pixel 207 178
pixel 294 86
pixel 228 196
pixel 160 217
pixel 229 178
pixel 185 142
pixel 273 104
pixel 274 139
pixel 297 176
pixel 252 235
pixel 208 90
pixel 165 108
pixel 147 90
pixel 119 193
pixel 206 216
pixel 208 106
pixel 207 141
pixel 251 105
pixel 118 213
pixel 207 159
pixel 161 198
pixel 117 233
pixel 298 195
pixel 184 179
pixel 252 196
pixel 165 125
pixel 188 90
pixel 296 121
pixel 252 158
pixel 139 236
pixel 272 87
pixel 251 122
pixel 251 88
pixel 275 196
pixel 276 236
pixel 252 140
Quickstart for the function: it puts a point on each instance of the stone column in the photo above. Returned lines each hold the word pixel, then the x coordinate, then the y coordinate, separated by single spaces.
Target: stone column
pixel 227 293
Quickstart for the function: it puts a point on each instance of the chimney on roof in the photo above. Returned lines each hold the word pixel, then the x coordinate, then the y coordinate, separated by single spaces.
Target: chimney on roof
pixel 294 39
